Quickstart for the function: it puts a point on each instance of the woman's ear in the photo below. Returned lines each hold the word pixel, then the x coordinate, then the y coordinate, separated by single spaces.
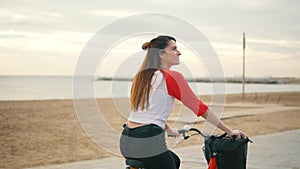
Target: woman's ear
pixel 161 54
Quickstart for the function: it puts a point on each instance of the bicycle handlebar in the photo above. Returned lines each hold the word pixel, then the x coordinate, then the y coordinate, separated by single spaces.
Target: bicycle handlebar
pixel 187 128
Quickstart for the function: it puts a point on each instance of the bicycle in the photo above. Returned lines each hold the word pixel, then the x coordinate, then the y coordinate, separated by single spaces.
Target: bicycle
pixel 219 147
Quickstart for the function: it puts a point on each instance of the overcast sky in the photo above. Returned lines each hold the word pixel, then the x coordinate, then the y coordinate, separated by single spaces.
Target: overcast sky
pixel 46 37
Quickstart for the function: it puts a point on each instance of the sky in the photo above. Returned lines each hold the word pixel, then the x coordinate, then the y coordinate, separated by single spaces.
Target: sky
pixel 46 37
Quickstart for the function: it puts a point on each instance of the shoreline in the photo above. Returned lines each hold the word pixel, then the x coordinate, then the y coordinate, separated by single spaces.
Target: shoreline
pixel 45 132
pixel 200 96
pixel 248 80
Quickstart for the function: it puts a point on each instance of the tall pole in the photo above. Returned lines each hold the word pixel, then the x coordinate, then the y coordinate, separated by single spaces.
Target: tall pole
pixel 244 47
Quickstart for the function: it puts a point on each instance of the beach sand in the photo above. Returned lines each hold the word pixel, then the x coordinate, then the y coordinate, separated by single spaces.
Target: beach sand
pixel 45 132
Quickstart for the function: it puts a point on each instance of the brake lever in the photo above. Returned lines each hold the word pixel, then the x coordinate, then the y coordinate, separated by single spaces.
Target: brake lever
pixel 183 132
pixel 186 128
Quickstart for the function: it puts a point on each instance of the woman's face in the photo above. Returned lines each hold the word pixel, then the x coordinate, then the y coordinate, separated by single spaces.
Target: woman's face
pixel 170 56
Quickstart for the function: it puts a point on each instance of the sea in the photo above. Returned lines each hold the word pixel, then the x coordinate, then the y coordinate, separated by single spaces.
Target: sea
pixel 61 87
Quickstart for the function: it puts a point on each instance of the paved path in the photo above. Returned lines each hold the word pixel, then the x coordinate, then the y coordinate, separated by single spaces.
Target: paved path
pixel 276 151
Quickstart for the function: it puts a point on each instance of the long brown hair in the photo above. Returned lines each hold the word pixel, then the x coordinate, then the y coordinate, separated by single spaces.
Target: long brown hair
pixel 141 84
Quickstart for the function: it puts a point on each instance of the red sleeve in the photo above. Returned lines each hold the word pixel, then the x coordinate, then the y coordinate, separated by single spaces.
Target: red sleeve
pixel 178 87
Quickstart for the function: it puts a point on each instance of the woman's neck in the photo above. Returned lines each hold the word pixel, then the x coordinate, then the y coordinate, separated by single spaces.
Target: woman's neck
pixel 165 67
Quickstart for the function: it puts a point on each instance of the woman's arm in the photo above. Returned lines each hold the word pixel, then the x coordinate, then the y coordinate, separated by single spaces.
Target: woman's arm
pixel 213 119
pixel 167 127
pixel 178 87
pixel 170 132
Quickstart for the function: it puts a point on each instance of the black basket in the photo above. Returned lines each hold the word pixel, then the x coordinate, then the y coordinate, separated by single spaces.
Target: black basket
pixel 230 153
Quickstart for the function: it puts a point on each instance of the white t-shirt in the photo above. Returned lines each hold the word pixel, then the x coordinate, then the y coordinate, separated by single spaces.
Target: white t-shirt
pixel 167 85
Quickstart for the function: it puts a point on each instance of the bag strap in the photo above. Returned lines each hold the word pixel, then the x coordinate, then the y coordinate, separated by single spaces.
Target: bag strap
pixel 247 139
pixel 209 142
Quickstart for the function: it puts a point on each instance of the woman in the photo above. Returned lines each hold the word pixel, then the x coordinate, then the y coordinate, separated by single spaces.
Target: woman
pixel 153 91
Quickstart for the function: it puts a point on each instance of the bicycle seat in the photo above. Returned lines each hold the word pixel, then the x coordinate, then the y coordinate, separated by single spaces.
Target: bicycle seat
pixel 135 163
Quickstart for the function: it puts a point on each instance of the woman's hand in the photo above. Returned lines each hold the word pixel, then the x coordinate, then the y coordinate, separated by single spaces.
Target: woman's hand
pixel 236 133
pixel 172 133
